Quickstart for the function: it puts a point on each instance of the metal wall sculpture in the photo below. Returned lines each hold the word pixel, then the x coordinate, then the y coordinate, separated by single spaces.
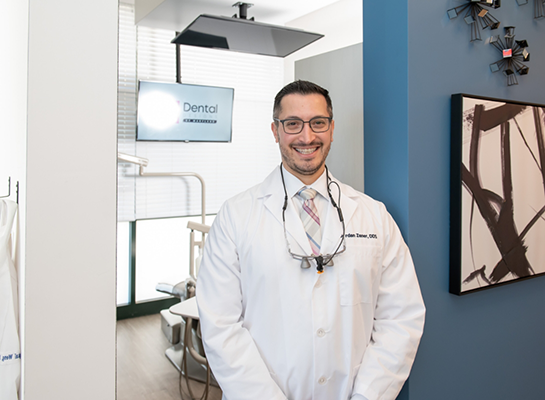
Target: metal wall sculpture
pixel 514 54
pixel 539 7
pixel 477 15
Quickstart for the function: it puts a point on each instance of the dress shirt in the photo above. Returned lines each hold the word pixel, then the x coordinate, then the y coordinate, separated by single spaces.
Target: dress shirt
pixel 321 201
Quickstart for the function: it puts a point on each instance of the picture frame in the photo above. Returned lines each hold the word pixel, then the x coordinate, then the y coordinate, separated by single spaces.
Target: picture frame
pixel 497 211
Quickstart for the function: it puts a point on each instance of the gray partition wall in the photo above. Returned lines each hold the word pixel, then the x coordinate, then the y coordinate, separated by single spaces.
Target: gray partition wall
pixel 341 72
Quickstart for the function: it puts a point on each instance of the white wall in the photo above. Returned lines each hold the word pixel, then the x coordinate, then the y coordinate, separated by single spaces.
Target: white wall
pixel 13 101
pixel 13 25
pixel 61 146
pixel 340 22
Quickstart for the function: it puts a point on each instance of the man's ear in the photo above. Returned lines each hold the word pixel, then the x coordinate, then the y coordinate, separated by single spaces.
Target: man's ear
pixel 274 131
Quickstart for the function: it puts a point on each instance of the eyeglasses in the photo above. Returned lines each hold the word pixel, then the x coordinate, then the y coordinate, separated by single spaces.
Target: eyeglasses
pixel 293 126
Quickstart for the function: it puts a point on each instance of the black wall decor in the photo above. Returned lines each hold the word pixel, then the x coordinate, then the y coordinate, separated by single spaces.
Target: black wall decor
pixel 539 7
pixel 514 55
pixel 514 52
pixel 476 14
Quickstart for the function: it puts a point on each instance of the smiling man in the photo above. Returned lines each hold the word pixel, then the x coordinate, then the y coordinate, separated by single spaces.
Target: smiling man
pixel 307 290
pixel 303 148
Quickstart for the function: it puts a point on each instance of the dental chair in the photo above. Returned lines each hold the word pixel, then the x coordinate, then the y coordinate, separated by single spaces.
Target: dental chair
pixel 184 333
pixel 187 353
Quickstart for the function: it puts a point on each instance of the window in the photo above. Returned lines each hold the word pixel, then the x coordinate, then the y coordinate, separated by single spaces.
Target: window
pixel 159 204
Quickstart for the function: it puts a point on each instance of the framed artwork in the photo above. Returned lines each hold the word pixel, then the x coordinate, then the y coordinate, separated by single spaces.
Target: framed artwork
pixel 497 219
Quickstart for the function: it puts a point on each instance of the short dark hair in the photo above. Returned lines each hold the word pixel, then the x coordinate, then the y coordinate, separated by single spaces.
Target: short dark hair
pixel 301 87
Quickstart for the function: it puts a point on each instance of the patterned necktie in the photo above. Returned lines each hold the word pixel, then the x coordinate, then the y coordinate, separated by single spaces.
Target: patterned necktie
pixel 311 221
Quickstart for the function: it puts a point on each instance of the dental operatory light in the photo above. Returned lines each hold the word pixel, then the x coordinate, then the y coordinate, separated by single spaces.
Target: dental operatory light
pixel 238 33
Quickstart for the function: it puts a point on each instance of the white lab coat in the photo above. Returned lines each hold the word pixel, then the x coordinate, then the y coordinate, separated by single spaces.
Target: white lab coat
pixel 10 354
pixel 275 331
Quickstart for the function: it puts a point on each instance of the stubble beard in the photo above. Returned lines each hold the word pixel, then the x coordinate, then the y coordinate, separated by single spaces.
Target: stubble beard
pixel 304 167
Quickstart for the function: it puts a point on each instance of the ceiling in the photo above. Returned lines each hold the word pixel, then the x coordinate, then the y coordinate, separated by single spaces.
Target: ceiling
pixel 177 14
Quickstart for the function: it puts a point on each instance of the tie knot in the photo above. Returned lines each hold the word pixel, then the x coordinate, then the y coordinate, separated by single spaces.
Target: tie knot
pixel 307 193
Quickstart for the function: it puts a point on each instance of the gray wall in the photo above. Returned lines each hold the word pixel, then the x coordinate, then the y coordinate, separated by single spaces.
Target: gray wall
pixel 485 345
pixel 340 72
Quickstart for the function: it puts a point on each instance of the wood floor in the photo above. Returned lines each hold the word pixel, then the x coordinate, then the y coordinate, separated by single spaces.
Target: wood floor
pixel 143 370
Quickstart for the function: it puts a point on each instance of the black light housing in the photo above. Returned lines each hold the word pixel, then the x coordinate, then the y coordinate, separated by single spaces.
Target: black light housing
pixel 244 35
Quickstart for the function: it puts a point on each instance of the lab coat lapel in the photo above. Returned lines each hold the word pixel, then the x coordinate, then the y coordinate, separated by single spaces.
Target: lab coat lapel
pixel 272 193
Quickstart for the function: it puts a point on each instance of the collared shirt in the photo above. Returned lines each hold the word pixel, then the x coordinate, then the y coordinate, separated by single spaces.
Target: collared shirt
pixel 294 184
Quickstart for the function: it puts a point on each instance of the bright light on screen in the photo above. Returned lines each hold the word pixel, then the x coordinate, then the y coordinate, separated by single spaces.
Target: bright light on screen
pixel 159 110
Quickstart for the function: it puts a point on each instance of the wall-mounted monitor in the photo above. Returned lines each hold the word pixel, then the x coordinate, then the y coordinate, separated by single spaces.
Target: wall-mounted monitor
pixel 178 112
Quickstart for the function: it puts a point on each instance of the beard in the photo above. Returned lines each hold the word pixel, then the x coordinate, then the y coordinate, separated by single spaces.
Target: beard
pixel 304 167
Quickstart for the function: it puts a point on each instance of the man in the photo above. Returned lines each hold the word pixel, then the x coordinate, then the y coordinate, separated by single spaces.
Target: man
pixel 279 321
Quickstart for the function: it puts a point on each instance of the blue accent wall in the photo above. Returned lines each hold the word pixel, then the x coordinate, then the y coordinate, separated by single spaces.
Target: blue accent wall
pixel 386 90
pixel 484 345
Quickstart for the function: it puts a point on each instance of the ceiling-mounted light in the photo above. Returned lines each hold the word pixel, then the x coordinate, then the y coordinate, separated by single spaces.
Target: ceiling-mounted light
pixel 244 35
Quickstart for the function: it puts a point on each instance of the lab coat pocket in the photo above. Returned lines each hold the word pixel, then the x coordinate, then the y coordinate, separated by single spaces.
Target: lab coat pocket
pixel 357 274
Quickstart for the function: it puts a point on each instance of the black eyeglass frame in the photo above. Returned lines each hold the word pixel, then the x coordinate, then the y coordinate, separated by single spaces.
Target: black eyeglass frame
pixel 303 125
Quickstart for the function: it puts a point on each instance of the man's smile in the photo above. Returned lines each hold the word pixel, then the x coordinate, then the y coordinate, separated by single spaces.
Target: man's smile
pixel 306 150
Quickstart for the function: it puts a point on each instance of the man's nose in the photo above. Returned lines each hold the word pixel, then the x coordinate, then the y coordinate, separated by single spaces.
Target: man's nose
pixel 307 134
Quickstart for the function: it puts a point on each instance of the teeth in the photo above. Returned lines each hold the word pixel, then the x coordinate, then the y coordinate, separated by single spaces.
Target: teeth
pixel 306 151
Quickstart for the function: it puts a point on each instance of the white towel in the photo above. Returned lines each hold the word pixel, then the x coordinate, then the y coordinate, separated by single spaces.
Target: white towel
pixel 10 349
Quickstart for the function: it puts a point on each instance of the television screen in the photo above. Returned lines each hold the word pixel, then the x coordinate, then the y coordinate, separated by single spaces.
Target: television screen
pixel 184 113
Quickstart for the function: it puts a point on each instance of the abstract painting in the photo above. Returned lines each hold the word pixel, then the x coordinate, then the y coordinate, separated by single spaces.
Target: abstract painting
pixel 497 192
